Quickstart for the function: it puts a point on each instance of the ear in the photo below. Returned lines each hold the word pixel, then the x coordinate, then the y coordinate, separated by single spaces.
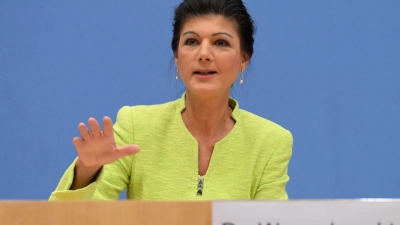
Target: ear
pixel 245 61
pixel 176 58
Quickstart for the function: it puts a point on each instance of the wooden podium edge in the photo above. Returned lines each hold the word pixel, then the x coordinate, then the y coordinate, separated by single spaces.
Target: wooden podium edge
pixel 105 212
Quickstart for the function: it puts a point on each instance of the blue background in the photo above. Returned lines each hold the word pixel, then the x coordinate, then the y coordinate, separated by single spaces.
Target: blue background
pixel 329 71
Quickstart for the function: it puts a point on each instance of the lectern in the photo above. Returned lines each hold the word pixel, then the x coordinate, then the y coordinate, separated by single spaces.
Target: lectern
pixel 104 212
pixel 293 212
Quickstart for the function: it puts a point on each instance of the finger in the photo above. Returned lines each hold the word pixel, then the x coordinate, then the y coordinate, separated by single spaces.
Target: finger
pixel 127 150
pixel 77 142
pixel 83 130
pixel 107 126
pixel 94 127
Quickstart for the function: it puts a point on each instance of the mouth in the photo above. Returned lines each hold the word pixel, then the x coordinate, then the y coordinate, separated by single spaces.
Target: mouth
pixel 204 73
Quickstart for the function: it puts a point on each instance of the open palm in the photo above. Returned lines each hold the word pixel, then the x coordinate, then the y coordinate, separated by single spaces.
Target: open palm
pixel 96 147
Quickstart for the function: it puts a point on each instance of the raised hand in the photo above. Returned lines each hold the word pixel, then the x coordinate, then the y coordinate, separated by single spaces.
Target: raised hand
pixel 95 149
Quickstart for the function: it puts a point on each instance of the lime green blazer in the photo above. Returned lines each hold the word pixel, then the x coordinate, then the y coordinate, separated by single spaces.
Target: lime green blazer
pixel 251 162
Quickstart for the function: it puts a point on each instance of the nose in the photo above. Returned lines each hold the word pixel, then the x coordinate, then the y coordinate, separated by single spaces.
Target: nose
pixel 205 52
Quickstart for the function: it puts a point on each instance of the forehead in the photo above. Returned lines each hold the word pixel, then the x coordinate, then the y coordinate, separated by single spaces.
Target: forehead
pixel 210 24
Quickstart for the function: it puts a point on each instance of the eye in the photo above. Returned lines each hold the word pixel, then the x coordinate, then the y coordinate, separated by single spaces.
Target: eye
pixel 191 41
pixel 222 43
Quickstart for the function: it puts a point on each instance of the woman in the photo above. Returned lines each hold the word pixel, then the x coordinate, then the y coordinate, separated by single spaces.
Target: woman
pixel 201 146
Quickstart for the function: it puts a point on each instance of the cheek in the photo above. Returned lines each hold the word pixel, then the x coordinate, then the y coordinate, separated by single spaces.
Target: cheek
pixel 231 63
pixel 182 56
pixel 184 60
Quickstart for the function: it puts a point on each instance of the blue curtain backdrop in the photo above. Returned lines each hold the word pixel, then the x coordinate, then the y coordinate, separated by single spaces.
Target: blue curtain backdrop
pixel 329 71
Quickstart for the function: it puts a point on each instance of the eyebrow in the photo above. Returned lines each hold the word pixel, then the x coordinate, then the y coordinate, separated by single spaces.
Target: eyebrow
pixel 214 34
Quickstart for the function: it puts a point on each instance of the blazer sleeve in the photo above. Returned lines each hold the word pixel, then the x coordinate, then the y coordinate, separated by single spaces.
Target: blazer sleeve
pixel 275 175
pixel 112 179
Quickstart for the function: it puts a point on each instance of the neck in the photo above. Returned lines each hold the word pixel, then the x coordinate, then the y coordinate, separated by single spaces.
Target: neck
pixel 207 116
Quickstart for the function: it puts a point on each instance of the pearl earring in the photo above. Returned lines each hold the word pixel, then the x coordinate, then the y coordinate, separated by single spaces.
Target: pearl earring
pixel 241 76
pixel 177 73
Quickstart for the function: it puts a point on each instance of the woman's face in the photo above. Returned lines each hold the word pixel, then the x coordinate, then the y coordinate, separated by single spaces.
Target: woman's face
pixel 209 57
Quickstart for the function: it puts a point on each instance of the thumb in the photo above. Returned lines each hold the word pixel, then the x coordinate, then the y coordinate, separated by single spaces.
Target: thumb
pixel 127 150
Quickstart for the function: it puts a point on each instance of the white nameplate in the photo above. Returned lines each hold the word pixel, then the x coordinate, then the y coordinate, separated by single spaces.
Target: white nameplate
pixel 335 212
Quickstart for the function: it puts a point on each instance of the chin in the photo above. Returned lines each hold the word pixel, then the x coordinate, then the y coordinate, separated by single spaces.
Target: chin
pixel 207 91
